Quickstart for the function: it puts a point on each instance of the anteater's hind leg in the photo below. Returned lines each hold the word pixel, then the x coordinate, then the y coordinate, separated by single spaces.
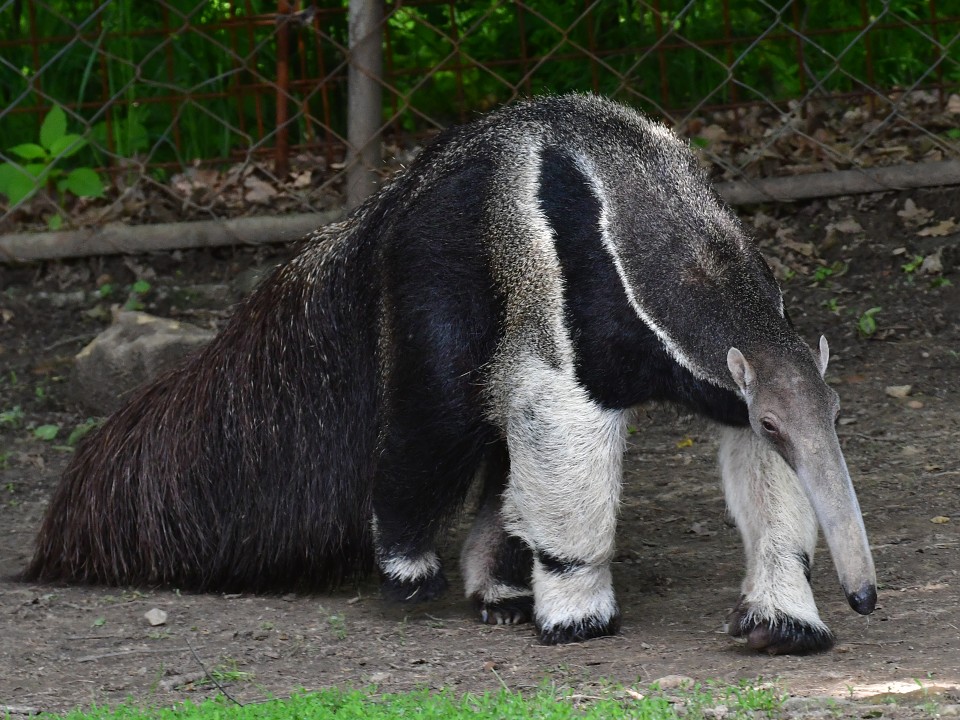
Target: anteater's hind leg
pixel 562 497
pixel 497 566
pixel 776 612
pixel 437 333
pixel 429 454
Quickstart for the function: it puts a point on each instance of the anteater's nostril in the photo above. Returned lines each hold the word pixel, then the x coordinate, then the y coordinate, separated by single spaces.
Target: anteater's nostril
pixel 863 600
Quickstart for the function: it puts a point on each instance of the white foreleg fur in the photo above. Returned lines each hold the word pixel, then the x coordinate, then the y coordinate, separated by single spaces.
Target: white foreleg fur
pixel 564 489
pixel 776 523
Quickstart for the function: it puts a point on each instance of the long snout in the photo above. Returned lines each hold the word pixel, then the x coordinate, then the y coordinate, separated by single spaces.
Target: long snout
pixel 823 473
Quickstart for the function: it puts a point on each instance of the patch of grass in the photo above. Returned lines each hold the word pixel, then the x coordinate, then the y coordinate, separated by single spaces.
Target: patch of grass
pixel 227 672
pixel 697 702
pixel 338 625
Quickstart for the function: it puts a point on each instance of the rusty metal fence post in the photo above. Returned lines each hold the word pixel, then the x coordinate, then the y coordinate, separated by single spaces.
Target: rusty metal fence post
pixel 364 98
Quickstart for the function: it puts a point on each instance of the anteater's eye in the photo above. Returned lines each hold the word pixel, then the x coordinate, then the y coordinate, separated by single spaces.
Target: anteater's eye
pixel 768 426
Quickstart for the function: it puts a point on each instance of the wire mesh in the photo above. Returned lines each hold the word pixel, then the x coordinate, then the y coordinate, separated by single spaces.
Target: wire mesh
pixel 190 109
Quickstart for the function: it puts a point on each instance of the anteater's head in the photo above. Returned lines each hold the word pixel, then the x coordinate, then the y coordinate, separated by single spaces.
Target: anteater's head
pixel 793 409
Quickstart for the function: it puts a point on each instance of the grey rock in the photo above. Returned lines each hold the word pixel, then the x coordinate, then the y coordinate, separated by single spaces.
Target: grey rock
pixel 135 349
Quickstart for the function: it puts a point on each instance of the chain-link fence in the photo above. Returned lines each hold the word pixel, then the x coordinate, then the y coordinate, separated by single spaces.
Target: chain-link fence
pixel 187 110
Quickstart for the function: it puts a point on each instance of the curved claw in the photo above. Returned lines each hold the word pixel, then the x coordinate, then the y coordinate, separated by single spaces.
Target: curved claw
pixel 511 611
pixel 413 591
pixel 779 635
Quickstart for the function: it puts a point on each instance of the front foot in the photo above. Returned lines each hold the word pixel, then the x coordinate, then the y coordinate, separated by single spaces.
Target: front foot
pixel 586 629
pixel 420 590
pixel 779 634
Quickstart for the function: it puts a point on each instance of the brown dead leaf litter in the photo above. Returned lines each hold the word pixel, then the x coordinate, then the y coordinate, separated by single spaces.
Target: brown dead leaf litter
pixel 678 566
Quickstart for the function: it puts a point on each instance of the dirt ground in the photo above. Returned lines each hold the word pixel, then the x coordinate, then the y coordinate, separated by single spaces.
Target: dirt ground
pixel 678 566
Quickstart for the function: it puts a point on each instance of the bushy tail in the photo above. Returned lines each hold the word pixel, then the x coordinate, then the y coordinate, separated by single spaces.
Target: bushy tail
pixel 249 467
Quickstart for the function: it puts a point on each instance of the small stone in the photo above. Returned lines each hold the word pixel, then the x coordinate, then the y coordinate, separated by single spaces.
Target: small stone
pixel 898 391
pixel 719 712
pixel 915 404
pixel 940 520
pixel 672 682
pixel 156 616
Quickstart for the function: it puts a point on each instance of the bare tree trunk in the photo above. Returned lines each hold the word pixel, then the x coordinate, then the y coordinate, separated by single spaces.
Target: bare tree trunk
pixel 364 98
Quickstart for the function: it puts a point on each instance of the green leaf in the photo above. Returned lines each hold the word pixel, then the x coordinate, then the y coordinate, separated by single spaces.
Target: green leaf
pixel 67 145
pixel 81 430
pixel 16 183
pixel 29 151
pixel 54 127
pixel 84 182
pixel 46 432
pixel 867 324
pixel 55 222
pixel 140 287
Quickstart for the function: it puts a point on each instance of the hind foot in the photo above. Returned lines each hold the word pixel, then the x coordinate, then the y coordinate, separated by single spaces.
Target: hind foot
pixel 414 591
pixel 777 633
pixel 507 611
pixel 412 579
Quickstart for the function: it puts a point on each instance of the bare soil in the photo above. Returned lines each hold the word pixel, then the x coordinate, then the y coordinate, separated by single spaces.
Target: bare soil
pixel 679 564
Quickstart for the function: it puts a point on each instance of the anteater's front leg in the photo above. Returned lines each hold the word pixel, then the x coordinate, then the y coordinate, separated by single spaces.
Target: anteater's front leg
pixel 776 611
pixel 562 498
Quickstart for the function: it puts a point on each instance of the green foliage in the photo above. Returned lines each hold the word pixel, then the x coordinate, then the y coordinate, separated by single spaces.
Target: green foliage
pixel 81 430
pixel 912 266
pixel 46 432
pixel 447 61
pixel 338 625
pixel 37 168
pixel 137 291
pixel 867 323
pixel 12 417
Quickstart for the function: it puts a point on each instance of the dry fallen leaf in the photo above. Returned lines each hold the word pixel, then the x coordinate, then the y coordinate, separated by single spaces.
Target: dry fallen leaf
pixel 940 519
pixel 914 215
pixel 945 227
pixel 898 391
pixel 848 226
pixel 258 191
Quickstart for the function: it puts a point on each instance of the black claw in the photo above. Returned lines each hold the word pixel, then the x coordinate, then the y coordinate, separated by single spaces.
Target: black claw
pixel 781 635
pixel 414 591
pixel 585 629
pixel 512 611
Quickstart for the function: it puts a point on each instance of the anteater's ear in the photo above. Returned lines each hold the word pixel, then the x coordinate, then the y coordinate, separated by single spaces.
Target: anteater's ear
pixel 743 374
pixel 824 358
